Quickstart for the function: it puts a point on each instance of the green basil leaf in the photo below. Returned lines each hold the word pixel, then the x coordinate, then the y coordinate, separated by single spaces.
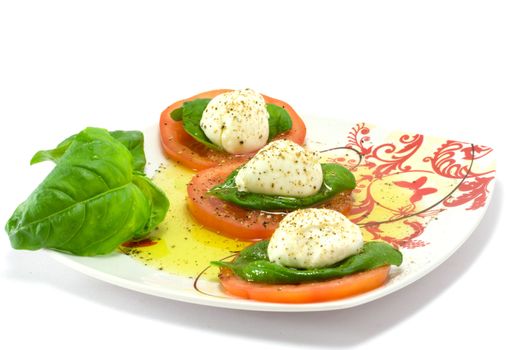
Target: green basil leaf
pixel 336 179
pixel 91 202
pixel 279 120
pixel 253 264
pixel 53 154
pixel 191 112
pixel 177 114
pixel 132 140
pixel 157 202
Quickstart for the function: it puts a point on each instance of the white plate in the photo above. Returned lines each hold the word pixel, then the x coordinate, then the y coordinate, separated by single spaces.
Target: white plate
pixel 433 192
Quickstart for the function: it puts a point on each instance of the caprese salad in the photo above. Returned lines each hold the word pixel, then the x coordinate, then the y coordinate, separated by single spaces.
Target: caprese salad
pixel 224 126
pixel 314 255
pixel 248 201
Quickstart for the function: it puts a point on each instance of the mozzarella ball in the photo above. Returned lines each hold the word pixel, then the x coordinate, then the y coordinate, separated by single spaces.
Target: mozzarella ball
pixel 314 238
pixel 281 168
pixel 237 121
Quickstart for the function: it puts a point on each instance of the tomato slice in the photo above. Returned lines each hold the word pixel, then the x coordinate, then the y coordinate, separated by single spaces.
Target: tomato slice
pixel 182 147
pixel 305 292
pixel 236 222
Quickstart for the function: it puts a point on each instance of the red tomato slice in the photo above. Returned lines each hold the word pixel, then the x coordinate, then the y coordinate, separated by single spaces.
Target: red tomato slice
pixel 305 292
pixel 232 221
pixel 182 147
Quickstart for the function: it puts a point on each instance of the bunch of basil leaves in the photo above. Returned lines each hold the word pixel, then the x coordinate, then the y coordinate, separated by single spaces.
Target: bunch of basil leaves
pixel 95 198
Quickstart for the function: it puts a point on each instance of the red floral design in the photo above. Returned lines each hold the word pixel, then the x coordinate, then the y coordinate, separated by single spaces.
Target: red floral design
pixel 475 190
pixel 416 187
pixel 391 158
pixel 357 137
pixel 444 160
pixel 388 164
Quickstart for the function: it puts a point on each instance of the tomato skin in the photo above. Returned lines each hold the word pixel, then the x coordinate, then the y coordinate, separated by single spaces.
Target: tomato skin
pixel 232 221
pixel 181 147
pixel 305 292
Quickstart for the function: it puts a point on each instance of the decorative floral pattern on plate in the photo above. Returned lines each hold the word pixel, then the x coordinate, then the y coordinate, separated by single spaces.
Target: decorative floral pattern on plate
pixel 405 181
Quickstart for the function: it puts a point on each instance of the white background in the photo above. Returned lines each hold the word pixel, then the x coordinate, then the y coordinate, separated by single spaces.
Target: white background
pixel 452 68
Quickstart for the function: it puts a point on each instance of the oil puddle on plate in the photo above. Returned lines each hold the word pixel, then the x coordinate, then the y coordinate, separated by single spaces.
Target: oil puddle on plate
pixel 180 245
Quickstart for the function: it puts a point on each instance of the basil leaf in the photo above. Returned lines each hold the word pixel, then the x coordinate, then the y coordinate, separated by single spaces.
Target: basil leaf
pixel 132 140
pixel 279 120
pixel 177 114
pixel 157 202
pixel 91 202
pixel 190 114
pixel 253 264
pixel 336 179
pixel 53 154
